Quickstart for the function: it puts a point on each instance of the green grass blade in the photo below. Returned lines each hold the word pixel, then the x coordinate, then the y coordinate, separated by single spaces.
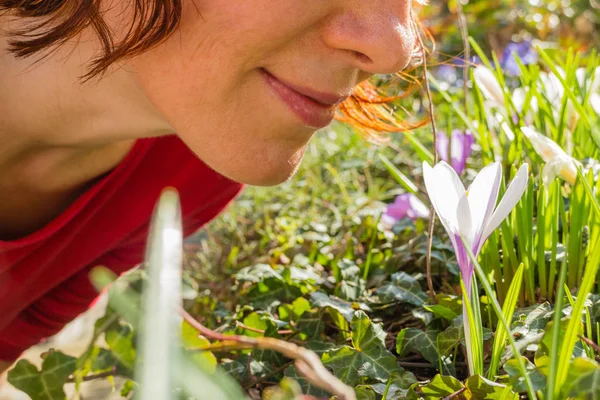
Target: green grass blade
pixel 402 179
pixel 161 301
pixel 507 311
pixel 498 310
pixel 574 325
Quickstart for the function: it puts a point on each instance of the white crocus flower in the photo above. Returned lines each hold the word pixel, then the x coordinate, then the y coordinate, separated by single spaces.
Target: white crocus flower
pixel 470 216
pixel 471 213
pixel 558 162
pixel 489 85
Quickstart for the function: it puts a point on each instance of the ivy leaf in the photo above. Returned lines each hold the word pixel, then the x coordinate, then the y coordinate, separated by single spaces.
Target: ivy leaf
pixel 322 300
pixel 288 390
pixel 399 383
pixel 451 337
pixel 307 387
pixel 516 380
pixel 351 286
pixel 583 380
pixel 192 340
pixel 367 358
pixel 257 273
pixel 479 388
pixel 440 387
pixel 403 288
pixel 412 340
pixel 119 340
pixel 364 393
pixel 46 384
pixel 127 388
pixel 311 323
pixel 293 311
pixel 271 291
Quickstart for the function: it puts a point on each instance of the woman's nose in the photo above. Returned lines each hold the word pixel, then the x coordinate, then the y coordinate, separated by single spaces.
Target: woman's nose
pixel 377 37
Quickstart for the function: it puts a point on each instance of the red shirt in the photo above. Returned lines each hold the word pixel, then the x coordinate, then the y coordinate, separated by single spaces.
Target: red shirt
pixel 44 276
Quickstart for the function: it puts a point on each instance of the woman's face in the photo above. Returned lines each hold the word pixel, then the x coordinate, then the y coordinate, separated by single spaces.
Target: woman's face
pixel 245 84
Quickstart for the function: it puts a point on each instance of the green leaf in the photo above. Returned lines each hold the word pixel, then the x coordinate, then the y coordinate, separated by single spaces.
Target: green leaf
pixel 364 393
pixel 351 285
pixel 307 387
pixel 293 311
pixel 272 291
pixel 311 323
pixel 367 358
pixel 403 288
pixel 583 380
pixel 441 311
pixel 537 379
pixel 119 341
pixel 440 387
pixel 127 388
pixel 412 340
pixel 288 389
pixel 508 309
pixel 322 300
pixel 479 388
pixel 192 340
pixel 397 386
pixel 451 337
pixel 46 384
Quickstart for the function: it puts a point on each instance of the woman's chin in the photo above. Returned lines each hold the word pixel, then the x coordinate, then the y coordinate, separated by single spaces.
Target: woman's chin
pixel 262 172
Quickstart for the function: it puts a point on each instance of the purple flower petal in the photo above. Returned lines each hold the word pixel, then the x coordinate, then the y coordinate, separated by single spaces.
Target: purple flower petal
pixel 524 50
pixel 443 142
pixel 406 205
pixel 461 144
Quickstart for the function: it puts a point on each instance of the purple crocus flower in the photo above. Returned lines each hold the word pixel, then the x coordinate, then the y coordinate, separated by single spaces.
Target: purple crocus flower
pixel 460 145
pixel 406 205
pixel 524 50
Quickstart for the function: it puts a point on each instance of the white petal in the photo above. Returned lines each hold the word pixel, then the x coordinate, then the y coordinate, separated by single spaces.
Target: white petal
pixel 488 84
pixel 595 102
pixel 543 145
pixel 596 80
pixel 509 201
pixel 550 172
pixel 580 74
pixel 482 195
pixel 465 222
pixel 507 131
pixel 552 87
pixel 445 190
pixel 562 166
pixel 518 98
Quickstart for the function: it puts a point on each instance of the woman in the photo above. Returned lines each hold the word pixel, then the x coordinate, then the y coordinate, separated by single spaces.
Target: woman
pixel 103 103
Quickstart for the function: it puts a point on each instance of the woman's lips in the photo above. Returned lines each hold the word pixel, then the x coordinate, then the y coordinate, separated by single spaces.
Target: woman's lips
pixel 314 109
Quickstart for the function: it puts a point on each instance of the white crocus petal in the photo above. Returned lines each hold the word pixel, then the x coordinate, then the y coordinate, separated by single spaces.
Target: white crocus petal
pixel 445 190
pixel 511 197
pixel 552 87
pixel 465 221
pixel 543 145
pixel 563 167
pixel 550 171
pixel 595 102
pixel 580 74
pixel 482 195
pixel 595 81
pixel 487 82
pixel 559 162
pixel 518 98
